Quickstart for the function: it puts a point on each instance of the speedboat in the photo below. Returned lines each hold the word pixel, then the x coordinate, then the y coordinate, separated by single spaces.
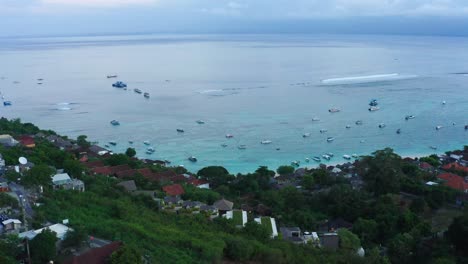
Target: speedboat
pixel 317 159
pixel 373 102
pixel 146 142
pixel 326 157
pixel 359 122
pixel 334 110
pixel 6 103
pixel 229 135
pixel 200 122
pixel 330 154
pixel 330 139
pixel 119 84
pixel 346 157
pixel 224 145
pixel 192 159
pixel 115 122
pixel 348 126
pixel 180 130
pixel 408 117
pixel 265 142
pixel 306 135
pixel 111 76
pixel 146 95
pixel 398 131
pixel 242 147
pixel 315 119
pixel 295 163
pixel 113 143
pixel 323 131
pixel 439 127
pixel 381 125
pixel 150 149
pixel 138 91
pixel 374 108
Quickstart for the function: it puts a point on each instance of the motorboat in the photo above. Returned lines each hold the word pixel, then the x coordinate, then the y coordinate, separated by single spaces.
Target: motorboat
pixel 348 126
pixel 362 141
pixel 408 117
pixel 40 79
pixel 323 131
pixel 229 135
pixel 315 119
pixel 355 156
pixel 307 159
pixel 295 163
pixel 119 84
pixel 150 149
pixel 6 103
pixel 146 143
pixel 192 159
pixel 149 152
pixel 330 139
pixel 330 154
pixel 466 127
pixel 373 102
pixel 374 108
pixel 115 123
pixel 443 102
pixel 382 125
pixel 305 135
pixel 317 159
pixel 200 122
pixel 278 149
pixel 398 131
pixel 224 145
pixel 334 110
pixel 180 130
pixel 242 147
pixel 439 127
pixel 359 122
pixel 130 142
pixel 111 76
pixel 346 157
pixel 113 143
pixel 265 142
pixel 138 91
pixel 433 147
pixel 146 95
pixel 326 157
pixel 107 146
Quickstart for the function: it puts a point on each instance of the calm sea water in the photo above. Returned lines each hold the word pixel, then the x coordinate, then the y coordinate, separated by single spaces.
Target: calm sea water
pixel 254 87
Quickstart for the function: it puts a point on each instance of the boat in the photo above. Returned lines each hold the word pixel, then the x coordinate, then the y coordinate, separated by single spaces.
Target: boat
pixel 200 122
pixel 359 122
pixel 224 145
pixel 180 130
pixel 307 159
pixel 149 152
pixel 382 125
pixel 40 79
pixel 374 108
pixel 242 147
pixel 315 119
pixel 130 142
pixel 373 102
pixel 146 142
pixel 265 142
pixel 115 123
pixel 6 103
pixel 334 110
pixel 107 146
pixel 326 157
pixel 433 147
pixel 229 135
pixel 119 84
pixel 138 91
pixel 113 143
pixel 317 159
pixel 348 126
pixel 346 157
pixel 330 154
pixel 295 163
pixel 146 95
pixel 323 131
pixel 192 159
pixel 398 131
pixel 278 149
pixel 111 76
pixel 466 127
pixel 439 127
pixel 306 135
pixel 408 117
pixel 443 102
pixel 355 156
pixel 150 149
pixel 362 141
pixel 330 139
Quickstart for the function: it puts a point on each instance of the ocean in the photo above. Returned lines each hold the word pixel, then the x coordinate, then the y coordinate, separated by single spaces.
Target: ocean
pixel 255 87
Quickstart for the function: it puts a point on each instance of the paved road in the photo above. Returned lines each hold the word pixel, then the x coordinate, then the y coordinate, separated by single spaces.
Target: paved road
pixel 23 198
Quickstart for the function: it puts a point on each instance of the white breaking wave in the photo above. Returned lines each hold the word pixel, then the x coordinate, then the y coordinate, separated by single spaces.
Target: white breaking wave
pixel 367 79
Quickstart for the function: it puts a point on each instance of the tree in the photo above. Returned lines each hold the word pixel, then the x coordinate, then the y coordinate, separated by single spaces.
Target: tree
pixel 367 230
pixel 458 234
pixel 348 240
pixel 131 152
pixel 75 237
pixel 12 176
pixel 257 231
pixel 308 182
pixel 216 175
pixel 400 248
pixel 38 175
pixel 82 142
pixel 7 200
pixel 285 170
pixel 126 255
pixel 43 247
pixel 238 249
pixel 73 167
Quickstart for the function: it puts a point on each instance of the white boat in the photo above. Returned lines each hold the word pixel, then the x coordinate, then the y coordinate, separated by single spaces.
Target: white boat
pixel 443 102
pixel 334 110
pixel 146 142
pixel 323 131
pixel 439 127
pixel 348 126
pixel 355 156
pixel 265 142
pixel 242 147
pixel 192 159
pixel 306 135
pixel 330 154
pixel 200 122
pixel 315 119
pixel 295 163
pixel 382 125
pixel 317 159
pixel 374 108
pixel 347 157
pixel 150 149
pixel 330 139
pixel 359 122
pixel 408 117
pixel 307 159
pixel 229 135
pixel 326 157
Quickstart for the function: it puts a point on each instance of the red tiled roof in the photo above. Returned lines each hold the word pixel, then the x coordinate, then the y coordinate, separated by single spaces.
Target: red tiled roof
pixel 125 173
pixel 173 190
pixel 146 172
pixel 95 255
pixel 454 181
pixel 179 178
pixel 425 165
pixel 455 166
pixel 197 182
pixel 94 164
pixel 84 159
pixel 26 140
pixel 106 170
pixel 119 168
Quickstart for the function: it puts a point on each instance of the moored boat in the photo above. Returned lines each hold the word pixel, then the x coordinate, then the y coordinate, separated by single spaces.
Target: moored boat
pixel 373 102
pixel 115 122
pixel 317 159
pixel 346 157
pixel 180 130
pixel 374 108
pixel 113 143
pixel 326 157
pixel 382 125
pixel 306 135
pixel 323 131
pixel 224 145
pixel 200 122
pixel 295 163
pixel 229 135
pixel 398 131
pixel 119 84
pixel 6 103
pixel 330 139
pixel 242 147
pixel 359 122
pixel 146 142
pixel 192 159
pixel 138 91
pixel 439 127
pixel 334 110
pixel 348 126
pixel 265 142
pixel 111 76
pixel 408 117
pixel 146 95
pixel 315 119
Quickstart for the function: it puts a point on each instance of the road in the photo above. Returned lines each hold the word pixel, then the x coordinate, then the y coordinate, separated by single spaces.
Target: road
pixel 23 198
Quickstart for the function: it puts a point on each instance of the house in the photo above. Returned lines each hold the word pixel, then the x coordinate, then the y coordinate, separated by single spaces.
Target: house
pixel 238 216
pixel 426 166
pixel 173 190
pixel 192 204
pixel 330 240
pixel 312 238
pixel 454 166
pixel 335 224
pixel 454 181
pixel 8 141
pixel 59 142
pixel 2 165
pixel 269 223
pixel 97 150
pixel 173 200
pixel 93 164
pixel 27 141
pixel 209 209
pixel 60 230
pixel 11 225
pixel 292 234
pixel 63 181
pixel 199 183
pixel 129 186
pixel 223 206
pixel 4 187
pixel 105 170
pixel 98 255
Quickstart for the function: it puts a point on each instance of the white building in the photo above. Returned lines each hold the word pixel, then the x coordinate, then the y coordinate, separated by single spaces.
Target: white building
pixel 272 223
pixel 59 229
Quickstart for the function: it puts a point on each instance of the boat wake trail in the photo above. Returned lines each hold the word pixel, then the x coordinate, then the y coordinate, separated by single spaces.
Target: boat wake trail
pixel 368 79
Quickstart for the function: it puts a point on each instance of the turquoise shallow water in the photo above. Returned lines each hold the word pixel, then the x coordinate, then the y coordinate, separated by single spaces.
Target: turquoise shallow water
pixel 255 87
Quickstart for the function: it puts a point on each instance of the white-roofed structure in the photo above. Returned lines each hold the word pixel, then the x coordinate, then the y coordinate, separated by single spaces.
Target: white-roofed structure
pixel 59 229
pixel 11 224
pixel 64 181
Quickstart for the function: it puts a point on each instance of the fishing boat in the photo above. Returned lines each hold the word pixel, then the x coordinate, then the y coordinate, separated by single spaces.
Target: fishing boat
pixel 317 159
pixel 439 127
pixel 359 122
pixel 382 125
pixel 146 142
pixel 373 102
pixel 334 110
pixel 265 142
pixel 6 103
pixel 355 156
pixel 150 149
pixel 346 157
pixel 305 135
pixel 115 123
pixel 200 122
pixel 278 149
pixel 111 76
pixel 408 117
pixel 348 126
pixel 224 145
pixel 326 157
pixel 330 154
pixel 323 131
pixel 466 127
pixel 146 95
pixel 374 108
pixel 242 147
pixel 138 91
pixel 398 131
pixel 229 135
pixel 119 84
pixel 113 143
pixel 330 139
pixel 192 159
pixel 295 163
pixel 180 130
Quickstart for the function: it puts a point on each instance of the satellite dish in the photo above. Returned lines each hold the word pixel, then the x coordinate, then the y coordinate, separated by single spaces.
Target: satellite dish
pixel 22 160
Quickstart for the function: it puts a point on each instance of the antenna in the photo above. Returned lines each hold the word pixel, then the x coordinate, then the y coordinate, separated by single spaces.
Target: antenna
pixel 23 160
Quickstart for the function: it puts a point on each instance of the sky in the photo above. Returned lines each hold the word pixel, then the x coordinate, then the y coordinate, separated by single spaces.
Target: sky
pixel 93 17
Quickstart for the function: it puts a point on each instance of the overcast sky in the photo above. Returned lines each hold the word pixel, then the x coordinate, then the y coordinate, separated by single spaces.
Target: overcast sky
pixel 69 17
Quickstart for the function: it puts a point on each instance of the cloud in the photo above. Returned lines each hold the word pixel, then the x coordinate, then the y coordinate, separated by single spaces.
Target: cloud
pixel 229 9
pixel 98 3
